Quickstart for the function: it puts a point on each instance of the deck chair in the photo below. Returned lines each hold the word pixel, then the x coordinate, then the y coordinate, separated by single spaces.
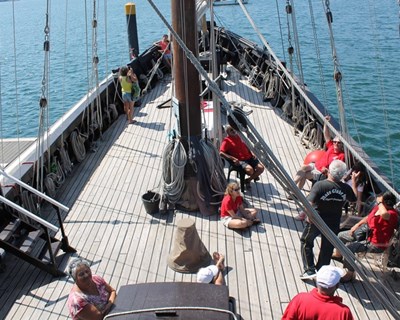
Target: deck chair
pixel 240 173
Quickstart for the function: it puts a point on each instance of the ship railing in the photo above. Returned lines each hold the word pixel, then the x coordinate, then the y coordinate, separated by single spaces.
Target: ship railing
pixel 170 312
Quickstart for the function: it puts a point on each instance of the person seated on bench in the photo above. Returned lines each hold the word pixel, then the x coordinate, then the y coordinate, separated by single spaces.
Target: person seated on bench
pixel 319 170
pixel 378 226
pixel 235 151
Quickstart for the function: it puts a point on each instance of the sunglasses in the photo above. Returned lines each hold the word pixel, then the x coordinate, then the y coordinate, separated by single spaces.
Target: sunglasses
pixel 336 142
pixel 237 189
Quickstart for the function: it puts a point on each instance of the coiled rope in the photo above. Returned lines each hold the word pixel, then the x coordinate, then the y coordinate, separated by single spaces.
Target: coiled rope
pixel 173 169
pixel 78 146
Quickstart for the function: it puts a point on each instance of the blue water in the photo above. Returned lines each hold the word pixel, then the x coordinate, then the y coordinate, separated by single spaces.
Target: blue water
pixel 366 36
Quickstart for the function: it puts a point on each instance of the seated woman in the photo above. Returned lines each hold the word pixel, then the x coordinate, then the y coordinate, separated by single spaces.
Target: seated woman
pixel 233 214
pixel 91 297
pixel 381 221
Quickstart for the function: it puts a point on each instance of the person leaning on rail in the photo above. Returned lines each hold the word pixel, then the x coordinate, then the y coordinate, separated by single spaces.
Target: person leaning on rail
pixel 321 302
pixel 165 49
pixel 235 151
pixel 91 297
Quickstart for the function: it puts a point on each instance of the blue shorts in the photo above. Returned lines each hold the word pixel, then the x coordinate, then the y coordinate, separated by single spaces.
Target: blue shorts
pixel 127 97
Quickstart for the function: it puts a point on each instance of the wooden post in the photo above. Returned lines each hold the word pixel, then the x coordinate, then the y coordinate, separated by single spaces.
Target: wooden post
pixel 187 81
pixel 130 11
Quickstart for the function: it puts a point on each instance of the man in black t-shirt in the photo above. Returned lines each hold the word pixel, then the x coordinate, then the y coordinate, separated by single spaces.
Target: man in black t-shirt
pixel 328 198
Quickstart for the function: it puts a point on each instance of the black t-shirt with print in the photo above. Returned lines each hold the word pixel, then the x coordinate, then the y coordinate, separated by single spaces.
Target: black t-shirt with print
pixel 329 198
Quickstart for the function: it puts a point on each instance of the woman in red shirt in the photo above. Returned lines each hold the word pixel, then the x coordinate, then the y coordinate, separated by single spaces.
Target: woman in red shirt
pixel 233 213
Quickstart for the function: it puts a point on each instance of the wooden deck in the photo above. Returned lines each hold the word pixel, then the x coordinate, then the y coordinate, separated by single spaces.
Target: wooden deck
pixel 108 225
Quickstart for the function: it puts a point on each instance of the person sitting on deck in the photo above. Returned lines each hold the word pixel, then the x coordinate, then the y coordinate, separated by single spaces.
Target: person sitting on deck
pixel 233 214
pixel 358 170
pixel 378 228
pixel 213 273
pixel 319 170
pixel 164 45
pixel 91 297
pixel 321 303
pixel 235 151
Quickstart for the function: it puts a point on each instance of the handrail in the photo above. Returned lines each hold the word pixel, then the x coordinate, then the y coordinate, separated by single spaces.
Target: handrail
pixel 29 214
pixel 109 316
pixel 33 190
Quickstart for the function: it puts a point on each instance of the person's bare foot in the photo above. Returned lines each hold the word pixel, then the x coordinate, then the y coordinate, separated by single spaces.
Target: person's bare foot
pixel 219 260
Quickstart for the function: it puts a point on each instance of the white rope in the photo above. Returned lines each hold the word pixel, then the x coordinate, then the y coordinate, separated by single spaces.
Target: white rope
pixel 174 162
pixel 78 147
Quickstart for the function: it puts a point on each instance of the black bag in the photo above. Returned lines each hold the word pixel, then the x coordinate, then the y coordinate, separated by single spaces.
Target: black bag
pixel 394 252
pixel 361 233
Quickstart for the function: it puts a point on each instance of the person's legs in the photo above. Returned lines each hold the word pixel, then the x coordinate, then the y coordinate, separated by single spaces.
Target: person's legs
pixel 306 248
pixel 325 253
pixel 219 262
pixel 250 213
pixel 241 223
pixel 302 175
pixel 130 112
pixel 253 169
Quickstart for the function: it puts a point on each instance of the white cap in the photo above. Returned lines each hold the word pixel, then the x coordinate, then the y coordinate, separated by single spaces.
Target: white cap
pixel 329 276
pixel 206 275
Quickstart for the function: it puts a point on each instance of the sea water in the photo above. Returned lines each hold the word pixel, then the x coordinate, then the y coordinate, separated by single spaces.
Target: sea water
pixel 365 33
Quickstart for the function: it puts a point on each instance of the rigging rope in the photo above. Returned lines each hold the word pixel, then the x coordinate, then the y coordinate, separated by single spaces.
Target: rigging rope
pixel 318 53
pixel 43 112
pixel 16 84
pixel 297 42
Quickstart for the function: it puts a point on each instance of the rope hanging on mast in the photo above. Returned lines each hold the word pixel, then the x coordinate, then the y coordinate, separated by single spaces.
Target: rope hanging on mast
pixel 338 80
pixel 95 113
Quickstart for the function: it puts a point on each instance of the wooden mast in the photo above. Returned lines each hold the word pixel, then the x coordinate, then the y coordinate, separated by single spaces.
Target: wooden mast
pixel 187 85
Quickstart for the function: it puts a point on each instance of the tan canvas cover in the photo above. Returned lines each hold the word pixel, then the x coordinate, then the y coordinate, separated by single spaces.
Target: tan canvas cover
pixel 188 253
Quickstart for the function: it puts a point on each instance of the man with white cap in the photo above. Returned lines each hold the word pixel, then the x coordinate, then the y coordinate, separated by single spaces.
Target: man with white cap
pixel 213 273
pixel 320 303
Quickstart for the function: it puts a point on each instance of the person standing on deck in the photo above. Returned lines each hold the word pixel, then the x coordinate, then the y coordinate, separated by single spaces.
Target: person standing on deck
pixel 328 198
pixel 321 303
pixel 127 79
pixel 234 150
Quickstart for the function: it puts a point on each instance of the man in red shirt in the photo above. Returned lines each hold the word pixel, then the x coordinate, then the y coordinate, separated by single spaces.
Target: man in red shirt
pixel 237 153
pixel 382 222
pixel 313 170
pixel 321 303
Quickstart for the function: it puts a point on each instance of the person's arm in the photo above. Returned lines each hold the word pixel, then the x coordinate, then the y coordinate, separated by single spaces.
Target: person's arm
pixel 111 298
pixel 234 160
pixel 90 312
pixel 382 211
pixel 327 135
pixel 358 224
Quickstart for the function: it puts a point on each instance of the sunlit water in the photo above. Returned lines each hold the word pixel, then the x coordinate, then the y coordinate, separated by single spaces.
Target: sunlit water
pixel 366 35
